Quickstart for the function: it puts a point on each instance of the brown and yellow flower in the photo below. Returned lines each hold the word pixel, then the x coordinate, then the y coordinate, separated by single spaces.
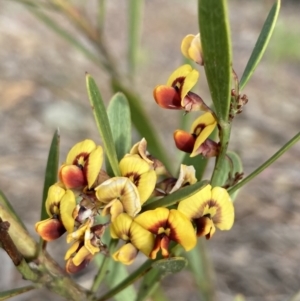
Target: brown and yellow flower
pixel 136 237
pixel 209 208
pixel 201 128
pixel 60 204
pixel 82 166
pixel 167 225
pixel 191 48
pixel 118 194
pixel 177 95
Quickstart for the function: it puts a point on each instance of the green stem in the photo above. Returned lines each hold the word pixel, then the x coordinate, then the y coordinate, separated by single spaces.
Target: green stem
pixel 225 129
pixel 101 274
pixel 134 29
pixel 257 171
pixel 104 265
pixel 141 271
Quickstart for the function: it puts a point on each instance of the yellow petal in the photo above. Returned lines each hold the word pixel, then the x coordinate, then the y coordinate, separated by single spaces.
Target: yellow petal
pixel 225 215
pixel 81 148
pixel 79 233
pixel 132 166
pixel 72 249
pixel 114 208
pixel 120 226
pixel 153 220
pixel 81 255
pixel 88 243
pixel 189 82
pixel 146 185
pixel 126 254
pixel 180 72
pixel 195 50
pixel 140 173
pixel 193 206
pixel 141 238
pixel 55 194
pixel 123 189
pixel 186 44
pixel 202 127
pixel 182 230
pixel 67 205
pixel 93 165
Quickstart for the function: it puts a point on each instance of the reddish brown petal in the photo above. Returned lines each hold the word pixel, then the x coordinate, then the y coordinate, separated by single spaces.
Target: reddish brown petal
pixel 184 141
pixel 71 268
pixel 72 177
pixel 50 229
pixel 167 97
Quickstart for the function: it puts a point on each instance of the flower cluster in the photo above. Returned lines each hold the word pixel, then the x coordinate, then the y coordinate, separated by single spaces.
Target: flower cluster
pixel 177 95
pixel 86 200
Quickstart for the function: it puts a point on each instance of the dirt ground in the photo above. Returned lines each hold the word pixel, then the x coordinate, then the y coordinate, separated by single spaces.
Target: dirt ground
pixel 42 87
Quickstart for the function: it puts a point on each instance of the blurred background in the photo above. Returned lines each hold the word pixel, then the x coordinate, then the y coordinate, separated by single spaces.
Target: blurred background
pixel 42 87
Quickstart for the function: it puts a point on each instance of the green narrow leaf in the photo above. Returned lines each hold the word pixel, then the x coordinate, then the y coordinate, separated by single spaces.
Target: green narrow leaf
pixel 51 170
pixel 216 45
pixel 9 208
pixel 231 165
pixel 102 124
pixel 118 112
pixel 143 124
pixel 50 176
pixel 15 292
pixel 134 28
pixel 176 196
pixel 261 44
pixel 201 267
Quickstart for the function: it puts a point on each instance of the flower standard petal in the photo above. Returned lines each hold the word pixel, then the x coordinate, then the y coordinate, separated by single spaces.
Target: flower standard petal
pixel 224 216
pixel 185 45
pixel 67 205
pixel 93 165
pixel 179 73
pixel 189 82
pixel 55 194
pixel 192 207
pixel 182 230
pixel 153 220
pixel 191 48
pixel 202 127
pixel 140 172
pixel 80 149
